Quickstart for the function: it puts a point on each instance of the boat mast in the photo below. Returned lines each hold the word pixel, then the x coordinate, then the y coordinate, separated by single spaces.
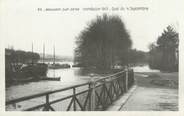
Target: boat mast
pixel 32 53
pixel 43 52
pixel 54 55
pixel 54 61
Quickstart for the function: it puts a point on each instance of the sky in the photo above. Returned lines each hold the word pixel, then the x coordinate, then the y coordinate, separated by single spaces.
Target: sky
pixel 23 24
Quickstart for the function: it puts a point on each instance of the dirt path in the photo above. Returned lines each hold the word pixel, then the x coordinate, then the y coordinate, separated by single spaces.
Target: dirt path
pixel 155 92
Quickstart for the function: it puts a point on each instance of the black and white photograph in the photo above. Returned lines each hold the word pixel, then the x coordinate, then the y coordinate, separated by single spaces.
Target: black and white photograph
pixel 90 55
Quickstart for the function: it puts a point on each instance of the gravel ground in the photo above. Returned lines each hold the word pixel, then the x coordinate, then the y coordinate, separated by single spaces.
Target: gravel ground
pixel 156 91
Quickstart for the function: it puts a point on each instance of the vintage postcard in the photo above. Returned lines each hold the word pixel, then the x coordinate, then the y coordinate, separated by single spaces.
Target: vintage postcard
pixel 120 56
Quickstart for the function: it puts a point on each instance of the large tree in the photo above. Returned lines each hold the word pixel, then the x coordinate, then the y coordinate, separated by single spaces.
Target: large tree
pixel 163 55
pixel 167 43
pixel 103 42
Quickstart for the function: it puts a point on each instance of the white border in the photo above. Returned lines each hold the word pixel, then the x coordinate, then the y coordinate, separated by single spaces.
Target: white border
pixel 179 11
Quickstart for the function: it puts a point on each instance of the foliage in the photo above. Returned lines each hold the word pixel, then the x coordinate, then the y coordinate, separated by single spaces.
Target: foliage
pixel 103 43
pixel 19 56
pixel 164 53
pixel 136 57
pixel 14 60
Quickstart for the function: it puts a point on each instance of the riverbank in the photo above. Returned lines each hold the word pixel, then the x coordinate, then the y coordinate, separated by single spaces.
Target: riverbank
pixel 156 91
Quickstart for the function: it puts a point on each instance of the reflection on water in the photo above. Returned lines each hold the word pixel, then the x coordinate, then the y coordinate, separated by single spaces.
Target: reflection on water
pixel 144 68
pixel 68 75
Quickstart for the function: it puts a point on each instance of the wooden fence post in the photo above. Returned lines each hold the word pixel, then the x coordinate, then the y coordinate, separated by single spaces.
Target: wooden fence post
pixel 133 76
pixel 92 100
pixel 46 108
pixel 126 79
pixel 74 97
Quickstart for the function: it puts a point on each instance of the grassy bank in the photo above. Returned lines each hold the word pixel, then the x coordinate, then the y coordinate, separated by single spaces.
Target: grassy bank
pixel 158 79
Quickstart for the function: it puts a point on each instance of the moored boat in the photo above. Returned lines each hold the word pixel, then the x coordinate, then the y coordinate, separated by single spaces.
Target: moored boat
pixel 51 78
pixel 58 66
pixel 35 70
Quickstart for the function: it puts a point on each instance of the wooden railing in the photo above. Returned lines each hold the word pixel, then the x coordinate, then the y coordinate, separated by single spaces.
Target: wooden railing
pixel 95 95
